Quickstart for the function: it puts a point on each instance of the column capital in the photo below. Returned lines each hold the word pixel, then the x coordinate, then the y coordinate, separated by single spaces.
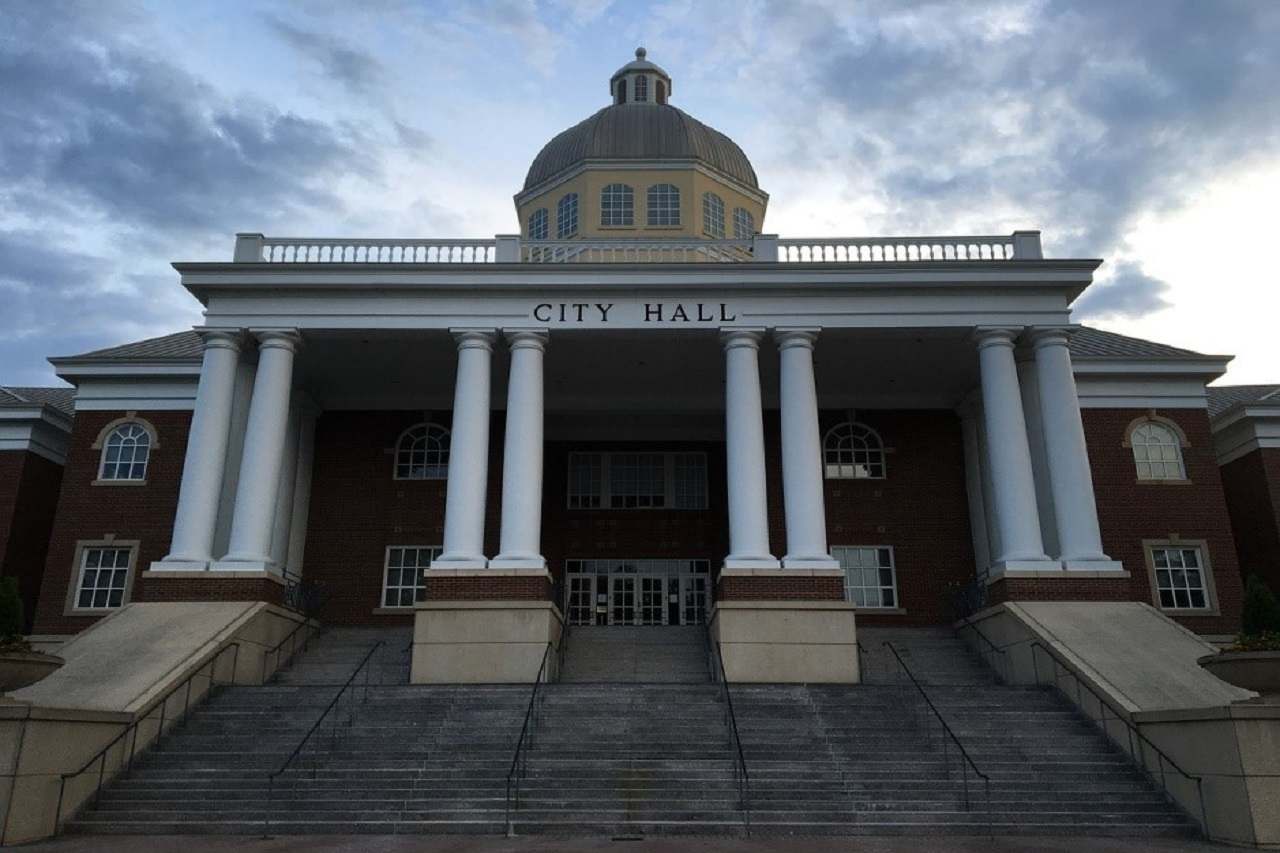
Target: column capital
pixel 745 337
pixel 474 338
pixel 220 338
pixel 288 339
pixel 996 336
pixel 526 338
pixel 1050 336
pixel 789 336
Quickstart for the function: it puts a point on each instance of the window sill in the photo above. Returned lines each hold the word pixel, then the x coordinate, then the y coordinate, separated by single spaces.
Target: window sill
pixel 392 611
pixel 1165 482
pixel 118 483
pixel 1189 611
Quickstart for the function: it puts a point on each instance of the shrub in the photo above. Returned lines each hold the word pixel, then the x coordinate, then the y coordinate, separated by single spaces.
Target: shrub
pixel 1261 610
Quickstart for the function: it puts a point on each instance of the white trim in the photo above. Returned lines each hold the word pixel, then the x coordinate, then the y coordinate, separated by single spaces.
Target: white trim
pixel 133 546
pixel 1211 607
pixel 434 552
pixel 893 567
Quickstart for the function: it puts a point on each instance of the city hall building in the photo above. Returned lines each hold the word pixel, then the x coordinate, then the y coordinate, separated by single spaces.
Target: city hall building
pixel 644 409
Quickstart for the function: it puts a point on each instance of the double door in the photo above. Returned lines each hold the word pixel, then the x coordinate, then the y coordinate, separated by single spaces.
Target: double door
pixel 637 599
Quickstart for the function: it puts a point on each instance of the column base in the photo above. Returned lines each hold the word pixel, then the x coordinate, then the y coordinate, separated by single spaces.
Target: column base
pixel 460 562
pixel 502 562
pixel 229 564
pixel 809 563
pixel 767 562
pixel 484 642
pixel 169 564
pixel 787 642
pixel 1093 565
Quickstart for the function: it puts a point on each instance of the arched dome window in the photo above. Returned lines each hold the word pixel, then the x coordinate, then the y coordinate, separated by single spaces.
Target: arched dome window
pixel 126 449
pixel 622 92
pixel 567 216
pixel 617 205
pixel 744 224
pixel 853 451
pixel 539 224
pixel 1157 450
pixel 642 88
pixel 422 453
pixel 663 203
pixel 713 215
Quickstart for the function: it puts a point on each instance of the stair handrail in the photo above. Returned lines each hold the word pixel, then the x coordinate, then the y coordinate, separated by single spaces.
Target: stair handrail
pixel 946 728
pixel 297 750
pixel 1001 671
pixel 1138 758
pixel 520 760
pixel 289 639
pixel 100 757
pixel 742 777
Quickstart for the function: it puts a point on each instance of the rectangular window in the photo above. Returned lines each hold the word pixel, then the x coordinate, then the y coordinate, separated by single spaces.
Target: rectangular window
pixel 869 577
pixel 650 480
pixel 402 581
pixel 104 577
pixel 1180 578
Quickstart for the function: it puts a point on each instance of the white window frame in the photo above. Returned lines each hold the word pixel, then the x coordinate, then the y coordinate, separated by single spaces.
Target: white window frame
pixel 865 435
pixel 1178 441
pixel 1201 547
pixel 662 206
pixel 617 206
pixel 401 449
pixel 713 215
pixel 670 492
pixel 82 551
pixel 841 554
pixel 434 552
pixel 539 224
pixel 567 216
pixel 103 444
pixel 744 224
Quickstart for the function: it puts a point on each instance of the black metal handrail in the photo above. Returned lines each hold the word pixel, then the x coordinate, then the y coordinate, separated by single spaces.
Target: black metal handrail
pixel 302 595
pixel 291 640
pixel 297 750
pixel 740 774
pixel 1138 757
pixel 100 757
pixel 968 763
pixel 991 654
pixel 520 761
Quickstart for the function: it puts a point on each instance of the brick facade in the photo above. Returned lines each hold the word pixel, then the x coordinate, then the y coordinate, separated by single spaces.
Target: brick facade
pixel 1252 487
pixel 29 485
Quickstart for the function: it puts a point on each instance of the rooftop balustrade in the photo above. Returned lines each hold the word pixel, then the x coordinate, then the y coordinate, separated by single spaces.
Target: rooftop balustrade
pixel 762 248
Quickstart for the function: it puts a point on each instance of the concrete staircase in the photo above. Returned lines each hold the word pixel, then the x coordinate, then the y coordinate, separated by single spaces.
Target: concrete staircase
pixel 645 655
pixel 636 759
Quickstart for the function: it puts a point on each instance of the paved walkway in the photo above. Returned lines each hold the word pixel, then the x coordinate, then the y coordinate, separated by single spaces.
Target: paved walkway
pixel 460 844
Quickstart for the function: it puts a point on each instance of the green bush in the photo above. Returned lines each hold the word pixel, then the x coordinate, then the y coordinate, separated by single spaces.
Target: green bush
pixel 10 609
pixel 1261 610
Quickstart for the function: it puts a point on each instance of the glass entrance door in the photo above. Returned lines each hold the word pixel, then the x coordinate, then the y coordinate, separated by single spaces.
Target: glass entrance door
pixel 637 592
pixel 622 600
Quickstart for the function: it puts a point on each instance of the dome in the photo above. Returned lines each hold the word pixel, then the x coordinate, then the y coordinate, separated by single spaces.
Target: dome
pixel 641 131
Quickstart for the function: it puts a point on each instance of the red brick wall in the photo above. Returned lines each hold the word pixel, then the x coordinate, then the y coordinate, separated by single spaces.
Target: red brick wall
pixel 29 486
pixel 1130 511
pixel 1252 486
pixel 774 588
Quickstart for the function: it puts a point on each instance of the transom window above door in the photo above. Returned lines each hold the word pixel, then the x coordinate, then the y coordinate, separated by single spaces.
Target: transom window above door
pixel 645 480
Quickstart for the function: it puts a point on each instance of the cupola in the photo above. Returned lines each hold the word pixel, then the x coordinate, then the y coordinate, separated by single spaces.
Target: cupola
pixel 640 82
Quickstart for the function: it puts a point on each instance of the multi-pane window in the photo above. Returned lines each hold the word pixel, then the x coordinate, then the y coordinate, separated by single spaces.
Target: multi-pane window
pixel 869 577
pixel 642 88
pixel 638 481
pixel 539 224
pixel 567 216
pixel 637 592
pixel 104 577
pixel 744 224
pixel 1180 578
pixel 422 453
pixel 402 582
pixel 617 205
pixel 663 203
pixel 1157 452
pixel 853 451
pixel 125 453
pixel 713 215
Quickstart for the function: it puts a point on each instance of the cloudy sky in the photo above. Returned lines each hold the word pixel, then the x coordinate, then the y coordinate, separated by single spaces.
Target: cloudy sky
pixel 132 134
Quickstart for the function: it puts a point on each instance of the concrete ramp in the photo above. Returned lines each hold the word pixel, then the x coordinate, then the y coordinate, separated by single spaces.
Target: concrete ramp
pixel 120 662
pixel 1138 656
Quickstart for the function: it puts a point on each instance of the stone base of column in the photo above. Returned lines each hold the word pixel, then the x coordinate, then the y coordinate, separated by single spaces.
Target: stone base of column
pixel 810 563
pixel 229 565
pixel 502 562
pixel 787 642
pixel 168 565
pixel 1093 565
pixel 484 642
pixel 448 562
pixel 817 584
pixel 750 563
pixel 1001 568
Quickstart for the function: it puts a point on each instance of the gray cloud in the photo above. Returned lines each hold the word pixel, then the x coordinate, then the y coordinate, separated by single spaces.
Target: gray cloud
pixel 1129 293
pixel 360 72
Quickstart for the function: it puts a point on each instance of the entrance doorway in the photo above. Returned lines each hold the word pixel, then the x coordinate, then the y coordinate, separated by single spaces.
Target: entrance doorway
pixel 637 592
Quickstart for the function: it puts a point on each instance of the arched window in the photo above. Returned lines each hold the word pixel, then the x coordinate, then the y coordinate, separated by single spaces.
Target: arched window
pixel 1157 451
pixel 642 88
pixel 622 91
pixel 853 452
pixel 663 201
pixel 744 224
pixel 125 452
pixel 661 89
pixel 539 224
pixel 422 453
pixel 567 216
pixel 617 204
pixel 713 215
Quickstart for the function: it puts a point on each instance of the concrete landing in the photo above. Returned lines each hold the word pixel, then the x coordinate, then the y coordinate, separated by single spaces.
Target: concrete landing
pixel 624 654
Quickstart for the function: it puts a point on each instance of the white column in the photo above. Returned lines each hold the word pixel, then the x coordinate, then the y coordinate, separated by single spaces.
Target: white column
pixel 973 488
pixel 1012 481
pixel 284 492
pixel 302 491
pixel 468 454
pixel 520 545
pixel 253 518
pixel 744 447
pixel 197 516
pixel 802 482
pixel 1070 477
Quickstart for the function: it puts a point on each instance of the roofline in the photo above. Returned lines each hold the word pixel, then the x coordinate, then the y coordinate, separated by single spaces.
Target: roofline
pixel 1243 411
pixel 1194 364
pixel 593 163
pixel 38 412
